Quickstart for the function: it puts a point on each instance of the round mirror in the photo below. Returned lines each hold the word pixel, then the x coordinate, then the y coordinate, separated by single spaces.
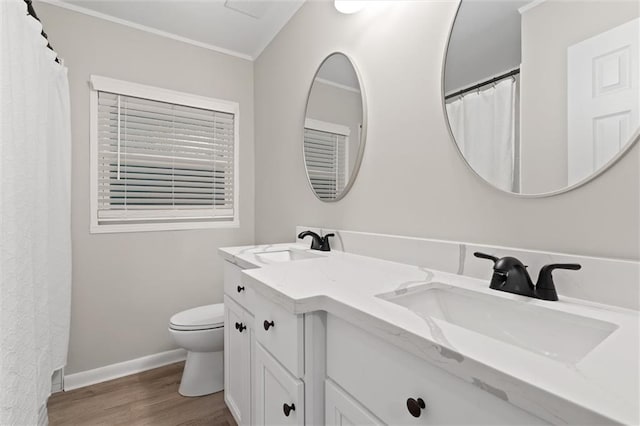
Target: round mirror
pixel 542 96
pixel 334 128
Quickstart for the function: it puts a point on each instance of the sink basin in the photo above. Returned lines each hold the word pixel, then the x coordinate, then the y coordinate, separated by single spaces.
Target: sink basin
pixel 285 255
pixel 554 334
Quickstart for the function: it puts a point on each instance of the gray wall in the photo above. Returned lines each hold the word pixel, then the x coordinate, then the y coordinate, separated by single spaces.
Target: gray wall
pixel 126 286
pixel 545 39
pixel 485 42
pixel 412 180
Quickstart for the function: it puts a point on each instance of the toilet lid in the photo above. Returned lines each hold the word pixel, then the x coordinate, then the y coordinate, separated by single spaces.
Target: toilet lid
pixel 200 318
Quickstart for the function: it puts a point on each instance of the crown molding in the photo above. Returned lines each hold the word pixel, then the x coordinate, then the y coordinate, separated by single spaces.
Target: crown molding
pixel 338 85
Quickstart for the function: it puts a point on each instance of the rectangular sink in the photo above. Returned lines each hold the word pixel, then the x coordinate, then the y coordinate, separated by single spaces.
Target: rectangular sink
pixel 562 336
pixel 285 255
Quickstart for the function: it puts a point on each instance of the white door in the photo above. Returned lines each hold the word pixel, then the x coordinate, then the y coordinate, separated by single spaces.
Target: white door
pixel 278 396
pixel 237 361
pixel 603 97
pixel 342 410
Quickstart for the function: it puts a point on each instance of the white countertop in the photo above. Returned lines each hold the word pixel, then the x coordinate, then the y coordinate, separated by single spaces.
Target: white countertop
pixel 602 387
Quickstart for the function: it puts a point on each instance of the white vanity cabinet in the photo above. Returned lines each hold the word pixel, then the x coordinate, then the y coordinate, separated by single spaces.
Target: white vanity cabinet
pixel 239 346
pixel 264 357
pixel 278 388
pixel 381 378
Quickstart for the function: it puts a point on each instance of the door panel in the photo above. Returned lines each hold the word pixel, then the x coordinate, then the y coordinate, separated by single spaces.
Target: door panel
pixel 273 388
pixel 603 97
pixel 237 372
pixel 342 410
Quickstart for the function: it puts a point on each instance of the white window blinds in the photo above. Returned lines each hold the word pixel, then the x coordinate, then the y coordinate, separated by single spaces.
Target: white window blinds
pixel 163 162
pixel 326 160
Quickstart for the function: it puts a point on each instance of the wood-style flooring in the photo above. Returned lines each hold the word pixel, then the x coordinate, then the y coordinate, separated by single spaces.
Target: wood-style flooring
pixel 148 398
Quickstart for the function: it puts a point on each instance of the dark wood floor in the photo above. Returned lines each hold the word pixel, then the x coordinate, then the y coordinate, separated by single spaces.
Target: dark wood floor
pixel 148 398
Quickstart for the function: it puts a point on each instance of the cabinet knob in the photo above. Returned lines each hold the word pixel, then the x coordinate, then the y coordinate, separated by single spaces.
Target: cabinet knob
pixel 288 409
pixel 240 326
pixel 415 406
pixel 240 289
pixel 266 324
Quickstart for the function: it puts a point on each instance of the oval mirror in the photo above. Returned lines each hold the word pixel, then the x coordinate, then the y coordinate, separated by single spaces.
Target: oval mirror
pixel 334 128
pixel 542 96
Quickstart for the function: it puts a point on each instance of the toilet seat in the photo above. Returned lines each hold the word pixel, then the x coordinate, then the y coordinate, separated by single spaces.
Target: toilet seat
pixel 200 318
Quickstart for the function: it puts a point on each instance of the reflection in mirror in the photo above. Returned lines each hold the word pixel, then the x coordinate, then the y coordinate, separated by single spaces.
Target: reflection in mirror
pixel 334 131
pixel 543 95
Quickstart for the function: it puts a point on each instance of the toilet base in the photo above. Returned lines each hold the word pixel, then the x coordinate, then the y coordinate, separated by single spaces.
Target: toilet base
pixel 203 374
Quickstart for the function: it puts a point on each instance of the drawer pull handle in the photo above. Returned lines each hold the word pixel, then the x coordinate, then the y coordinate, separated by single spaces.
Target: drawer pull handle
pixel 240 326
pixel 240 289
pixel 415 406
pixel 266 324
pixel 288 409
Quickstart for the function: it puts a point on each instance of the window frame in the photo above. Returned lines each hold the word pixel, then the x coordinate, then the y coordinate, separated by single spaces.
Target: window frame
pixel 105 84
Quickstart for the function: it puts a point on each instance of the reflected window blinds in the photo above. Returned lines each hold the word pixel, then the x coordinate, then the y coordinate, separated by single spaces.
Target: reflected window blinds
pixel 163 162
pixel 326 161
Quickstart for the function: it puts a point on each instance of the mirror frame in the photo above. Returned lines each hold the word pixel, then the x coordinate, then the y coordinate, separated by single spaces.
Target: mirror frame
pixel 635 137
pixel 363 131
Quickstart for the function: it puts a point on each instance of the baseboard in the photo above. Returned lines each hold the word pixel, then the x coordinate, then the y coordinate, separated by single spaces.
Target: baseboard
pixel 43 415
pixel 121 369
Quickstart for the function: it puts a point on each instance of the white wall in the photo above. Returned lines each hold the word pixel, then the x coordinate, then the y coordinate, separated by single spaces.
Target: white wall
pixel 412 180
pixel 126 286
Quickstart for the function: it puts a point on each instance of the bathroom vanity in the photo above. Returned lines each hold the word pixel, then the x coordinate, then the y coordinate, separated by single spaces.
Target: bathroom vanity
pixel 334 338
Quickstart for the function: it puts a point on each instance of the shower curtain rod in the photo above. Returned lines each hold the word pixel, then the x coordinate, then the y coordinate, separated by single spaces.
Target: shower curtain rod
pixel 31 11
pixel 484 83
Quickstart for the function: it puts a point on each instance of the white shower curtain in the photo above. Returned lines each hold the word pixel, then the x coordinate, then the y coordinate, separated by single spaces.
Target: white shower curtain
pixel 35 242
pixel 483 124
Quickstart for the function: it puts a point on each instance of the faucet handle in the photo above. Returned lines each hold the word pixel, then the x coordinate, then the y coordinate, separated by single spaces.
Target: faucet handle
pixel 325 246
pixel 486 256
pixel 545 288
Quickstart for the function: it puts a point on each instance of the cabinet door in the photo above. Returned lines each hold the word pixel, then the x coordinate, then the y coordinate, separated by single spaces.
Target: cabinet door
pixel 278 396
pixel 341 409
pixel 237 361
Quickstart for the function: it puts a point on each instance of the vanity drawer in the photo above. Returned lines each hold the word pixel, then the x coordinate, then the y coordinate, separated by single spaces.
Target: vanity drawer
pixel 281 333
pixel 383 378
pixel 234 288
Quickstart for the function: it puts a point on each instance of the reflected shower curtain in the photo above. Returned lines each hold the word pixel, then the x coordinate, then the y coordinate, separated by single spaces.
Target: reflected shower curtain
pixel 35 243
pixel 483 124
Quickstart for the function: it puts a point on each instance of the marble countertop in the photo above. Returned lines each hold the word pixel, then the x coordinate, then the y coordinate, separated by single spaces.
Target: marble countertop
pixel 601 387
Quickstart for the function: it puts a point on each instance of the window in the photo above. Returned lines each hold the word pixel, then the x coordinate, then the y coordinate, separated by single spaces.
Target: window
pixel 161 159
pixel 326 157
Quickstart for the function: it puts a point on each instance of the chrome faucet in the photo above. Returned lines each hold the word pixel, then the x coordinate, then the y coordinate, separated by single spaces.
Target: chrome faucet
pixel 318 243
pixel 510 275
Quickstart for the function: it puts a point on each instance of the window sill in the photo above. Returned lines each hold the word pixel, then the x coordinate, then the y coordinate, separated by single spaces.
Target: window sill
pixel 151 227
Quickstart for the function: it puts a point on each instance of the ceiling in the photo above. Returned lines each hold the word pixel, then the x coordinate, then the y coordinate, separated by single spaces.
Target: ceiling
pixel 238 27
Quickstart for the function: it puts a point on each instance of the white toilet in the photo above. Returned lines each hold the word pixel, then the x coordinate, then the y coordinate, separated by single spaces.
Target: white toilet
pixel 201 332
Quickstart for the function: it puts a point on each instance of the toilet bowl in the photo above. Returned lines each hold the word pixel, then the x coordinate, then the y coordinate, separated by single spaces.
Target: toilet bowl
pixel 201 332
